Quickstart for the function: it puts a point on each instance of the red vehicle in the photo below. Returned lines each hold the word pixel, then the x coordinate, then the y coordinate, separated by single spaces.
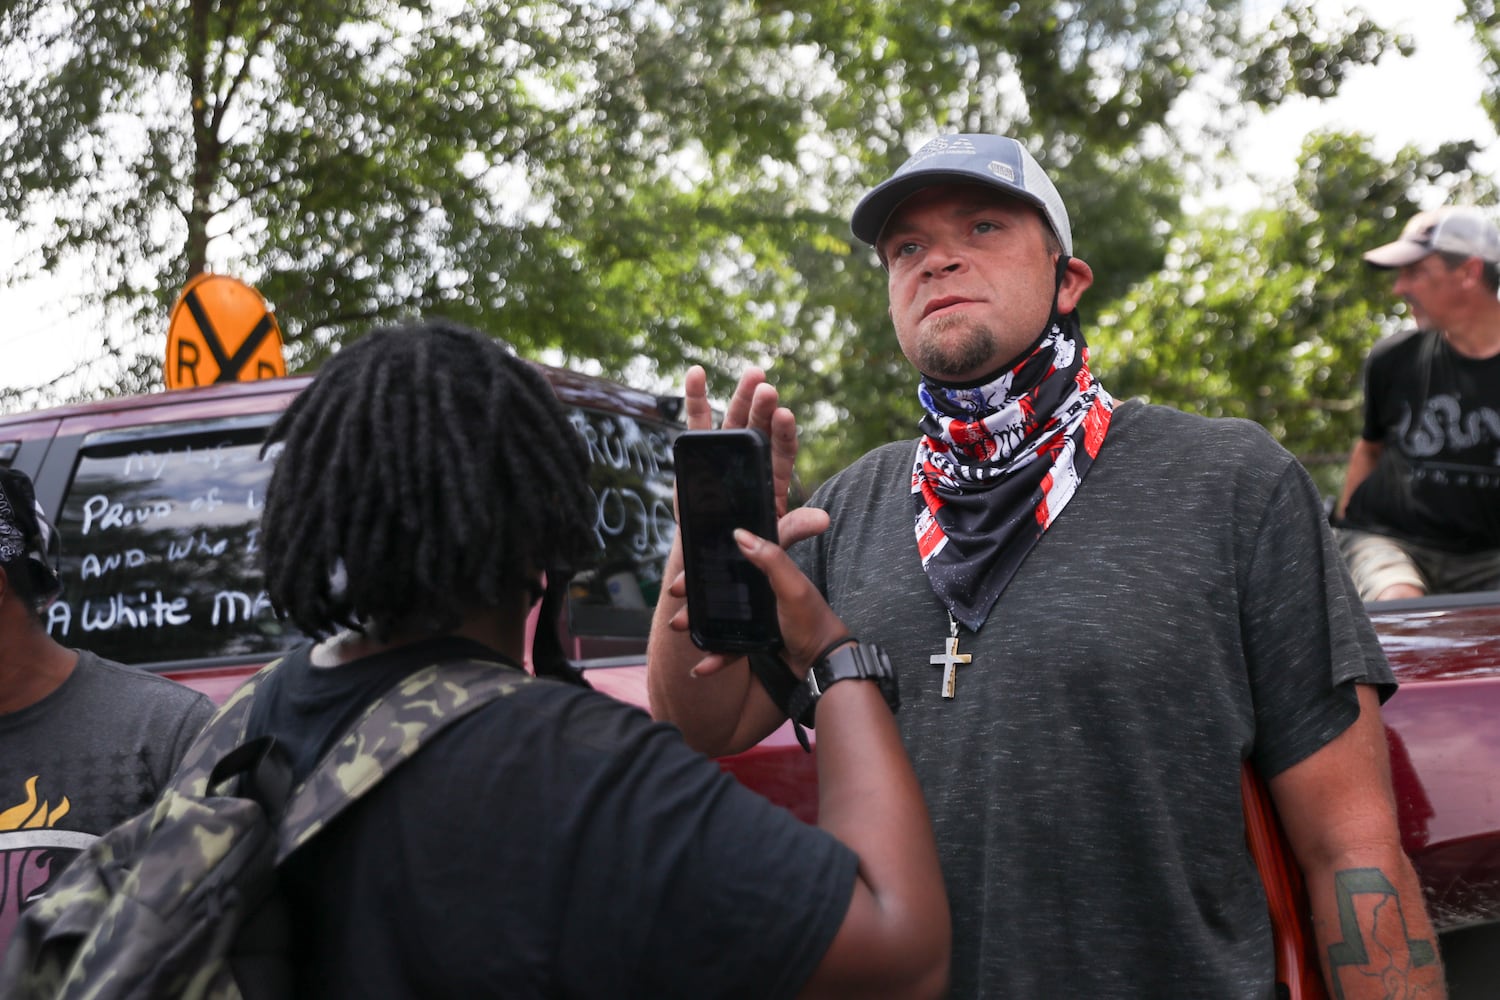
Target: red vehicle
pixel 1444 735
pixel 157 500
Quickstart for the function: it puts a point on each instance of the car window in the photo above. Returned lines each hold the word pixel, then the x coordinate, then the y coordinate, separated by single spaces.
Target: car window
pixel 631 477
pixel 159 548
pixel 160 527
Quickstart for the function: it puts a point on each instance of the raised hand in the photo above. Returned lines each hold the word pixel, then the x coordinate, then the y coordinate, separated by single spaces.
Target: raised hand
pixel 755 403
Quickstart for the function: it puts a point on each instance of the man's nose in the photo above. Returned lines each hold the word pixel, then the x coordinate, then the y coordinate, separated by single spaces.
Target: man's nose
pixel 941 259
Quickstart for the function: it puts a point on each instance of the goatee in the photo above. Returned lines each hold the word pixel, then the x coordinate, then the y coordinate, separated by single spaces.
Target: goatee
pixel 955 348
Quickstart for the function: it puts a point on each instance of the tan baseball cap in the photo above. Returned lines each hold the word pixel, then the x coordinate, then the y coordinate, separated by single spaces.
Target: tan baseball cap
pixel 1453 229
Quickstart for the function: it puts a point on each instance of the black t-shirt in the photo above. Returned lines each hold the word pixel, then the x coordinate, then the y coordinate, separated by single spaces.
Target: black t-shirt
pixel 1438 415
pixel 556 843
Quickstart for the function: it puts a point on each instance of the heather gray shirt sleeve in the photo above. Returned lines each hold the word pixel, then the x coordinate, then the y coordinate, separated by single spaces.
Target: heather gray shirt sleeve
pixel 1300 612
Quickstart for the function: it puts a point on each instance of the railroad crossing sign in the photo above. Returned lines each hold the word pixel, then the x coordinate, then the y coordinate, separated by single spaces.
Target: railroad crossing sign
pixel 221 330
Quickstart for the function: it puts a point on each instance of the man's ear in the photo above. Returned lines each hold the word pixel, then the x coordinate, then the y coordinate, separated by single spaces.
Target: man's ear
pixel 1473 271
pixel 1075 281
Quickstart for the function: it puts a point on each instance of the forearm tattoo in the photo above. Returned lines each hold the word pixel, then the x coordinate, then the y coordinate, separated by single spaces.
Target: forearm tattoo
pixel 1376 944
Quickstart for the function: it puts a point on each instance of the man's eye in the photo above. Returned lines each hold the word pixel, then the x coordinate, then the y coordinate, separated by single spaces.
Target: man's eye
pixel 985 227
pixel 905 249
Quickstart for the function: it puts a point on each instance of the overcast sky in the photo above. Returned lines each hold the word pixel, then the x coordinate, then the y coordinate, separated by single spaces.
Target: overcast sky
pixel 1430 98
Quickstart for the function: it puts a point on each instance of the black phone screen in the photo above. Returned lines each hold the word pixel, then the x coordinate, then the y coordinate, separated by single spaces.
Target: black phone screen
pixel 723 483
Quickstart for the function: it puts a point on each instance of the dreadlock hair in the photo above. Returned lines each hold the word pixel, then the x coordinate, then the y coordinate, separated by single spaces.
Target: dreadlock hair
pixel 425 472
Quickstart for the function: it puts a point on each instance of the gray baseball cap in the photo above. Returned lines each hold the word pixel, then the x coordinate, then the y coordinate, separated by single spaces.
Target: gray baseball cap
pixel 1453 229
pixel 995 160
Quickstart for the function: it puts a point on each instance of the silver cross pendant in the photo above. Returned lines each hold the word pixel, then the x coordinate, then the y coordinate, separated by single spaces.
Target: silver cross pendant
pixel 949 659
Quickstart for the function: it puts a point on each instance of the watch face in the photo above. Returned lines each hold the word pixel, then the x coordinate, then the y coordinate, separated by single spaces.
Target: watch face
pixel 856 661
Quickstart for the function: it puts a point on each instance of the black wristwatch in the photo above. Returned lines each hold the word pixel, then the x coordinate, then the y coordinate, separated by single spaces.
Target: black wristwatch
pixel 851 661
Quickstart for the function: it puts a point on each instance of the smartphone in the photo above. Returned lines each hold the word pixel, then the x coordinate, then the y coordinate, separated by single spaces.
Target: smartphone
pixel 723 483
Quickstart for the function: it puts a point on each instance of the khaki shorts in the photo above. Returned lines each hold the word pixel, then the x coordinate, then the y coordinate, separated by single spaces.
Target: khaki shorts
pixel 1379 561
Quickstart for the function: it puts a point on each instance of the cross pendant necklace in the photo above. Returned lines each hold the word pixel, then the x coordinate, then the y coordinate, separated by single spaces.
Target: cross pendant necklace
pixel 950 658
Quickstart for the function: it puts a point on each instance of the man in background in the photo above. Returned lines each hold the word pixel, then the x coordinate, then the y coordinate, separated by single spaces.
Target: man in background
pixel 85 743
pixel 1420 508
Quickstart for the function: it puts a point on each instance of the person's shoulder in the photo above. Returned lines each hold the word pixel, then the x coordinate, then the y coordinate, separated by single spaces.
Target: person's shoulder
pixel 570 714
pixel 1228 458
pixel 1175 431
pixel 1399 343
pixel 881 455
pixel 875 464
pixel 547 725
pixel 113 672
pixel 1220 464
pixel 135 682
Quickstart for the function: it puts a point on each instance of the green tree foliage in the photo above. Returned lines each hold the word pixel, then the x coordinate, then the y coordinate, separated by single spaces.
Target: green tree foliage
pixel 664 181
pixel 1483 17
pixel 1311 59
pixel 1088 85
pixel 537 168
pixel 1269 316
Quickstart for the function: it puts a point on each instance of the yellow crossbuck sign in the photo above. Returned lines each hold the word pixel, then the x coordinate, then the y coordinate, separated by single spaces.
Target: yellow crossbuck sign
pixel 221 330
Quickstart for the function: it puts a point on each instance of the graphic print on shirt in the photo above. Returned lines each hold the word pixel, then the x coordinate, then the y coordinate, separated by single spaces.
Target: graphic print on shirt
pixel 1450 447
pixel 32 850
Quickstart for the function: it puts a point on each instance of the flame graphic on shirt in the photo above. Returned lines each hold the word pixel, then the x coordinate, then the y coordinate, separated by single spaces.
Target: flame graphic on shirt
pixel 27 866
pixel 31 816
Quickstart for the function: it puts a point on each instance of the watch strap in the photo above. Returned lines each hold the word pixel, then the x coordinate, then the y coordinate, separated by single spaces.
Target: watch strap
pixel 849 660
pixel 774 675
pixel 781 684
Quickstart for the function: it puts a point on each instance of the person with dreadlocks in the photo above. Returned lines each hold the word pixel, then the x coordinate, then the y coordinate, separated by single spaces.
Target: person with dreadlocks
pixel 1099 611
pixel 85 743
pixel 555 842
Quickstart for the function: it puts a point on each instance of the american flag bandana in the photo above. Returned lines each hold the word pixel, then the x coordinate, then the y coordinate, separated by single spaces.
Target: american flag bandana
pixel 998 462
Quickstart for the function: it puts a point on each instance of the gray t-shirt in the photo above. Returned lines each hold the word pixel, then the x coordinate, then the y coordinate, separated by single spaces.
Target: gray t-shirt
pixel 1187 611
pixel 85 758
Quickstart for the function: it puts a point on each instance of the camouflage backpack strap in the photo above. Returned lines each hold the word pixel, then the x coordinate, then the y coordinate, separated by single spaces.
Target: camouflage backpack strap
pixel 222 733
pixel 392 729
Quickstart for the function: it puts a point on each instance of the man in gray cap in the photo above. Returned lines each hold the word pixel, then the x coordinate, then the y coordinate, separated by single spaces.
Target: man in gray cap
pixel 84 743
pixel 1099 613
pixel 1420 508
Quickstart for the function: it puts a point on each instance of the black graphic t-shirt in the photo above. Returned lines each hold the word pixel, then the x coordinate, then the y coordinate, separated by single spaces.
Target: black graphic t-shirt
pixel 88 756
pixel 1438 415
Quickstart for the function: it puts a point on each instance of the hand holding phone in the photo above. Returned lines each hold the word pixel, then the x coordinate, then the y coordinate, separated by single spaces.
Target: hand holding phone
pixel 723 483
